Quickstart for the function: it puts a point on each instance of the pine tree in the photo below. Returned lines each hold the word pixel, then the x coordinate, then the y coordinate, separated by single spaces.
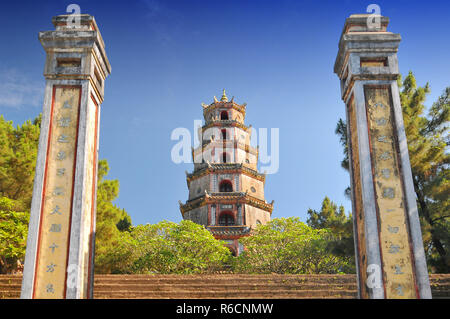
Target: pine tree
pixel 340 225
pixel 428 142
pixel 18 152
pixel 110 219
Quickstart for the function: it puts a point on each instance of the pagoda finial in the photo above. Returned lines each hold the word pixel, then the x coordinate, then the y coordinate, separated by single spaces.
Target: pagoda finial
pixel 224 97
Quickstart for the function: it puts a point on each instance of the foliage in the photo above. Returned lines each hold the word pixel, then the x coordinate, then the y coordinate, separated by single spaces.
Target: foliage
pixel 286 245
pixel 167 248
pixel 111 220
pixel 428 141
pixel 18 152
pixel 340 225
pixel 341 131
pixel 13 234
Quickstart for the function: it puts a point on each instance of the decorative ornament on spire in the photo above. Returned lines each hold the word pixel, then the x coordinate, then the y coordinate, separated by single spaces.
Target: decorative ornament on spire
pixel 224 97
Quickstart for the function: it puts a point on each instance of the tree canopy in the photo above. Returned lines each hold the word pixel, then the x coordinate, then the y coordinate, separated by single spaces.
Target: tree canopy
pixel 111 220
pixel 18 152
pixel 428 141
pixel 289 246
pixel 167 248
pixel 340 226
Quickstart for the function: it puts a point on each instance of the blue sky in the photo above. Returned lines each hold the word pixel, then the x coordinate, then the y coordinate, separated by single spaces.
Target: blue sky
pixel 168 57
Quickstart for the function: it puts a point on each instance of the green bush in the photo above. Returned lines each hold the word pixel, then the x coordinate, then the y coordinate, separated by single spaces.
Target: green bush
pixel 288 246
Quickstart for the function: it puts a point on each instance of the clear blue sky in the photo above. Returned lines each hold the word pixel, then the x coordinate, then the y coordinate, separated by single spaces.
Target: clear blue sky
pixel 168 57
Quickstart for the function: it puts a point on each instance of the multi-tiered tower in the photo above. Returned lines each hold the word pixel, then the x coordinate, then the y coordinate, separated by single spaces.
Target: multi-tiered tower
pixel 226 191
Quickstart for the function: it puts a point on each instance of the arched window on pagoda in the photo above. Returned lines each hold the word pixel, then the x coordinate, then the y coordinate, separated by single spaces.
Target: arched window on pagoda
pixel 224 115
pixel 225 186
pixel 226 219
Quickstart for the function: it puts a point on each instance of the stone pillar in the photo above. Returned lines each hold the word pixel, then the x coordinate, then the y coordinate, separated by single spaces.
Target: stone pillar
pixel 388 241
pixel 60 246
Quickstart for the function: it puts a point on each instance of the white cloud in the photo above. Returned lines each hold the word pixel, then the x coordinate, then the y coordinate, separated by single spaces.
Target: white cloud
pixel 17 90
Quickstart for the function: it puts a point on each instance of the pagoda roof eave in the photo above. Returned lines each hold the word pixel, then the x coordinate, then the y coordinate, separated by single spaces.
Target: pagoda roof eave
pixel 217 104
pixel 219 197
pixel 226 123
pixel 225 167
pixel 229 232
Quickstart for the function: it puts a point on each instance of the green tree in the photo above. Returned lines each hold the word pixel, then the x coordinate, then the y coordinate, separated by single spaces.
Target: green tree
pixel 287 245
pixel 167 248
pixel 111 220
pixel 340 225
pixel 428 141
pixel 18 152
pixel 13 234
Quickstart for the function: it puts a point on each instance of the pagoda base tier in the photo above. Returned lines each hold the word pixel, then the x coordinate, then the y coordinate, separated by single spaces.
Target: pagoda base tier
pixel 229 232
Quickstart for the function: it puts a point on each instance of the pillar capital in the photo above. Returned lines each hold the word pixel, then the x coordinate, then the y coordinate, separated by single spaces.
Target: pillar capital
pixel 366 53
pixel 75 50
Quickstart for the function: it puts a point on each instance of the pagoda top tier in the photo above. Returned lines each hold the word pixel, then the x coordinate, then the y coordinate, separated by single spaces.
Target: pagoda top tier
pixel 224 102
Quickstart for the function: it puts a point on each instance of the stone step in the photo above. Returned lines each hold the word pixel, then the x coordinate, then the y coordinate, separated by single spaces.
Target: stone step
pixel 15 286
pixel 249 294
pixel 9 294
pixel 222 287
pixel 240 276
pixel 9 283
pixel 219 280
pixel 445 279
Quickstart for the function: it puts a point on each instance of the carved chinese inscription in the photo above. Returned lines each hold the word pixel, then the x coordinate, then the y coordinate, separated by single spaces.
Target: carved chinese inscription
pixel 57 196
pixel 395 246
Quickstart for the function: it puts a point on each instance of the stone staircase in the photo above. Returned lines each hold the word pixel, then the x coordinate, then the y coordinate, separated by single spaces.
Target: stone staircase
pixel 222 286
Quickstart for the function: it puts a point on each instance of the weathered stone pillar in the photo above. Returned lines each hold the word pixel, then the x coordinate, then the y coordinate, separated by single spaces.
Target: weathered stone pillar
pixel 388 241
pixel 60 246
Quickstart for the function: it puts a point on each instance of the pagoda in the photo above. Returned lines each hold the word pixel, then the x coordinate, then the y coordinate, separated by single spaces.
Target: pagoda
pixel 226 191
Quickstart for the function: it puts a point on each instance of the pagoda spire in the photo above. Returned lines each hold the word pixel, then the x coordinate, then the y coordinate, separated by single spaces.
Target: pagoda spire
pixel 224 96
